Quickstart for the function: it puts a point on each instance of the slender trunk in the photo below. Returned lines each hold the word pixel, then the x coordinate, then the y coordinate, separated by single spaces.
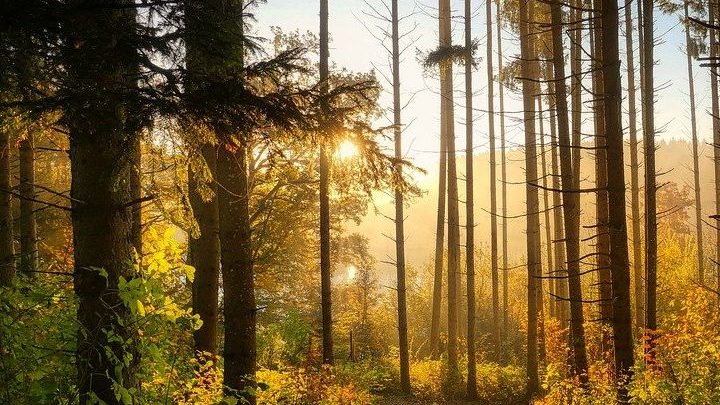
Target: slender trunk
pixel 650 186
pixel 102 126
pixel 493 169
pixel 696 155
pixel 634 173
pixel 576 91
pixel 439 253
pixel 325 270
pixel 204 255
pixel 715 128
pixel 7 253
pixel 503 177
pixel 559 274
pixel 546 204
pixel 571 203
pixel 469 199
pixel 529 89
pixel 399 201
pixel 602 247
pixel 28 225
pixel 617 225
pixel 448 132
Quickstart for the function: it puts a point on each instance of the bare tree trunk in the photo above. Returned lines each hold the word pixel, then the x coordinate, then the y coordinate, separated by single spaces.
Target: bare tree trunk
pixel 439 253
pixel 602 247
pixel 28 225
pixel 448 133
pixel 204 255
pixel 559 274
pixel 493 169
pixel 576 91
pixel 617 225
pixel 696 155
pixel 650 184
pixel 546 204
pixel 715 128
pixel 399 212
pixel 534 265
pixel 503 176
pixel 7 253
pixel 634 173
pixel 325 269
pixel 571 202
pixel 469 198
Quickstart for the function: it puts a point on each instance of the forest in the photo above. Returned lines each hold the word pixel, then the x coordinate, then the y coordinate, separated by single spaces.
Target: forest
pixel 359 202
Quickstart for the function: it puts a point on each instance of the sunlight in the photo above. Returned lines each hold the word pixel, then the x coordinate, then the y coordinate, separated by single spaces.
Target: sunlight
pixel 351 272
pixel 346 150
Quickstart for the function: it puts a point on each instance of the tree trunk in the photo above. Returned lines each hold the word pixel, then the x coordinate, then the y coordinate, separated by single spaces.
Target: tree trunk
pixel 469 199
pixel 634 173
pixel 325 269
pixel 439 253
pixel 716 129
pixel 102 126
pixel 617 225
pixel 204 255
pixel 650 185
pixel 7 253
pixel 576 91
pixel 493 169
pixel 571 202
pixel 448 133
pixel 399 215
pixel 136 187
pixel 602 247
pixel 546 205
pixel 28 225
pixel 696 155
pixel 534 265
pixel 503 176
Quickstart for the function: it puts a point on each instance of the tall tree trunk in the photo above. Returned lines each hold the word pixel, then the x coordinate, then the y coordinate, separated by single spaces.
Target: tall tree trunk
pixel 28 225
pixel 503 177
pixel 325 269
pixel 399 201
pixel 696 154
pixel 602 247
pixel 529 90
pixel 576 91
pixel 571 201
pixel 439 253
pixel 715 128
pixel 650 185
pixel 448 133
pixel 204 255
pixel 7 253
pixel 559 274
pixel 617 225
pixel 546 205
pixel 634 173
pixel 102 126
pixel 493 167
pixel 469 199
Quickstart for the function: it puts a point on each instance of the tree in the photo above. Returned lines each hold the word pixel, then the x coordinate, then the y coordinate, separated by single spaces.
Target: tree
pixel 534 264
pixel 715 111
pixel 28 223
pixel 546 204
pixel 617 224
pixel 7 252
pixel 571 201
pixel 399 201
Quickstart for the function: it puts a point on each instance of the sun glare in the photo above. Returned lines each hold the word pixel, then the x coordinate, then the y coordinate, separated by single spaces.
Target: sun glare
pixel 346 150
pixel 351 272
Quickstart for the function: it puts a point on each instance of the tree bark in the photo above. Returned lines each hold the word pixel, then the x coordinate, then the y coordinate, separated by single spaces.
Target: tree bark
pixel 617 225
pixel 571 202
pixel 439 253
pixel 546 205
pixel 534 265
pixel 696 154
pixel 399 214
pixel 634 173
pixel 715 128
pixel 28 224
pixel 325 269
pixel 7 252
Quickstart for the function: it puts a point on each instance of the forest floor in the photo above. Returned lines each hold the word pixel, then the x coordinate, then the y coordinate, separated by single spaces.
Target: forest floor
pixel 393 399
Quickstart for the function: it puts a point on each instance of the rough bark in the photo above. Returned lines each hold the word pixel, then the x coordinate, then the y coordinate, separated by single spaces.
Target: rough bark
pixel 529 89
pixel 571 202
pixel 325 269
pixel 617 225
pixel 28 224
pixel 7 253
pixel 399 214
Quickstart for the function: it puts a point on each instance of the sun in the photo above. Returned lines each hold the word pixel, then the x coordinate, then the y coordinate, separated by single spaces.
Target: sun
pixel 351 272
pixel 346 150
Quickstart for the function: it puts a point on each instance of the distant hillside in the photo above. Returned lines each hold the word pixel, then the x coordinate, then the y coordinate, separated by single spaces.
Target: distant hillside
pixel 674 161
